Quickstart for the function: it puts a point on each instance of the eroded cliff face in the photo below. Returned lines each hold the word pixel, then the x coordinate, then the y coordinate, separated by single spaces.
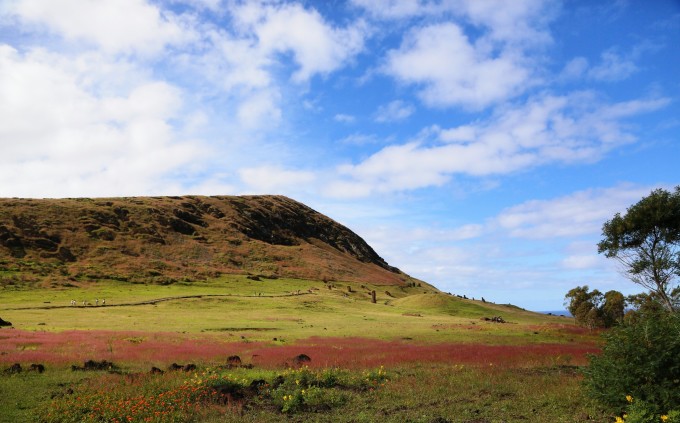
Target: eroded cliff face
pixel 165 239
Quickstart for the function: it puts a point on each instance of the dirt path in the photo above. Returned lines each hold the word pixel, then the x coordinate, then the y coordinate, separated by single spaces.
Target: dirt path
pixel 157 300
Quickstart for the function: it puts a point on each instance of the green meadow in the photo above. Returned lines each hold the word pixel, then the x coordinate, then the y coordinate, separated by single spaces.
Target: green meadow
pixel 416 354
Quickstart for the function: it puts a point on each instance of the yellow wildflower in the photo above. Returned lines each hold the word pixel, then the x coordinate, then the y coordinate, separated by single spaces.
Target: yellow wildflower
pixel 664 418
pixel 629 398
pixel 619 420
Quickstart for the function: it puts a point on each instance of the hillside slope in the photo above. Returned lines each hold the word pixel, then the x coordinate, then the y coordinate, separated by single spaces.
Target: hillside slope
pixel 166 239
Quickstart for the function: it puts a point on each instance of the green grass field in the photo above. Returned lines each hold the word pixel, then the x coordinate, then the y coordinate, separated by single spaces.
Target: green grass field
pixel 443 360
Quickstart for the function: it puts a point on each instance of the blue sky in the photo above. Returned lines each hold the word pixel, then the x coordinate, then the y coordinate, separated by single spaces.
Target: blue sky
pixel 476 144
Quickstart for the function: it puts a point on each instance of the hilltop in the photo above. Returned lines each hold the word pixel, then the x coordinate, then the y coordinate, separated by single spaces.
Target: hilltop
pixel 188 238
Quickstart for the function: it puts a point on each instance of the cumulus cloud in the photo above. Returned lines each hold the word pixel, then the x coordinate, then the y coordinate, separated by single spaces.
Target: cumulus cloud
pixel 547 129
pixel 74 141
pixel 450 67
pixel 126 26
pixel 450 70
pixel 506 20
pixel 317 47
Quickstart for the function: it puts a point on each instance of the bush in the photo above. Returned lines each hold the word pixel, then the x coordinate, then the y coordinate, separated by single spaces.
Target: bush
pixel 640 359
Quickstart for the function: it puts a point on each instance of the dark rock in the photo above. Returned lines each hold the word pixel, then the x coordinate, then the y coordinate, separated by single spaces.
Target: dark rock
pixel 13 242
pixel 278 381
pixel 41 244
pixel 64 254
pixel 228 392
pixel 92 365
pixel 13 369
pixel 40 368
pixel 181 227
pixel 233 360
pixel 5 323
pixel 156 371
pixel 189 368
pixel 301 359
pixel 194 219
pixel 255 385
pixel 175 366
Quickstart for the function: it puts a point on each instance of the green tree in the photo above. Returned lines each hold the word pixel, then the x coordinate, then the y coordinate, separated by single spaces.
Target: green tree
pixel 592 309
pixel 585 306
pixel 613 308
pixel 646 241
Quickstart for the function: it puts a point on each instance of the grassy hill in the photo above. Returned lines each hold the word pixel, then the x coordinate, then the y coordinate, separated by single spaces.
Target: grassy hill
pixel 171 239
pixel 198 280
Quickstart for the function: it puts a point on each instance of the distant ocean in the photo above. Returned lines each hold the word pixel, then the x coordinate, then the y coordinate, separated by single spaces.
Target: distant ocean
pixel 556 312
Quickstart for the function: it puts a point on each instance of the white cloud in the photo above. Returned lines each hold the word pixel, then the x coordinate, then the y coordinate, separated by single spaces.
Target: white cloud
pixel 547 129
pixel 450 70
pixel 74 141
pixel 316 46
pixel 506 20
pixel 115 26
pixel 510 21
pixel 576 214
pixel 394 9
pixel 394 111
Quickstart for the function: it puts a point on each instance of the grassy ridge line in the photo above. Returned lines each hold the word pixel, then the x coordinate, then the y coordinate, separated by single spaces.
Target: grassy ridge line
pixel 155 301
pixel 171 239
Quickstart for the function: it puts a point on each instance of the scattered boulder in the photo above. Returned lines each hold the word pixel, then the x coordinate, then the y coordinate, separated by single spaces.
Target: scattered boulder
pixel 228 392
pixel 5 322
pixel 278 381
pixel 40 368
pixel 13 369
pixel 91 365
pixel 257 384
pixel 156 371
pixel 99 365
pixel 233 361
pixel 185 368
pixel 301 359
pixel 495 319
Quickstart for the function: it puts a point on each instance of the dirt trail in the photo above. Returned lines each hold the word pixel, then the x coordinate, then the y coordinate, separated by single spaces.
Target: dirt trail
pixel 157 300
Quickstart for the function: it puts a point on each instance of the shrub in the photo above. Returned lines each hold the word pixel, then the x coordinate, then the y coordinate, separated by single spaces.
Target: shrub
pixel 640 358
pixel 643 412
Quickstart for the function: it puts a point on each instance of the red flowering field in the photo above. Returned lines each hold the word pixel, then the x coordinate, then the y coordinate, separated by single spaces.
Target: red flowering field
pixel 160 349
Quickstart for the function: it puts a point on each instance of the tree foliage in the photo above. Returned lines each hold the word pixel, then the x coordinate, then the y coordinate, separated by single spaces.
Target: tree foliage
pixel 640 358
pixel 592 309
pixel 646 241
